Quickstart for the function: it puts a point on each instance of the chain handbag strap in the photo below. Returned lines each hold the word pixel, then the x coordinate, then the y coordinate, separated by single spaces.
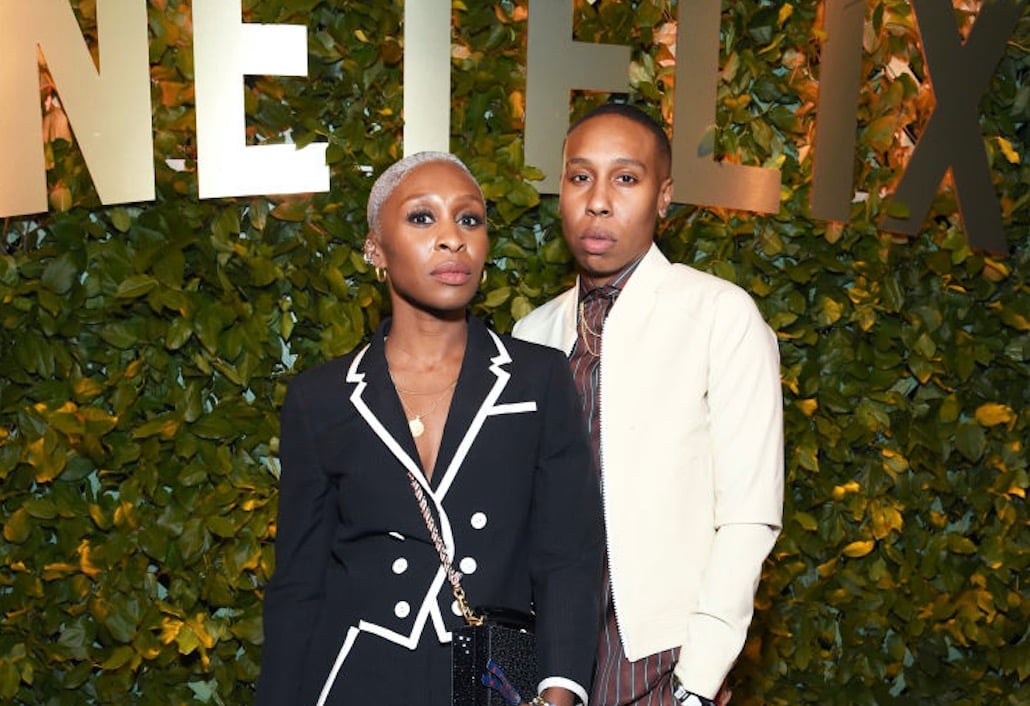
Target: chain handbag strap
pixel 453 576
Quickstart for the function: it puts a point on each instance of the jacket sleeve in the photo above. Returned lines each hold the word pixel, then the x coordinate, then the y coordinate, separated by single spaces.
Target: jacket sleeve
pixel 566 538
pixel 746 424
pixel 294 595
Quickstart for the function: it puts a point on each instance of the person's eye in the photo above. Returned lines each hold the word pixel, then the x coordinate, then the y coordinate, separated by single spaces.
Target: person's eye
pixel 579 178
pixel 626 179
pixel 470 220
pixel 420 217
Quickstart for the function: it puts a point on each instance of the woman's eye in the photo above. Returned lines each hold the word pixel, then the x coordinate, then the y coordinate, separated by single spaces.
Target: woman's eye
pixel 420 217
pixel 626 179
pixel 578 178
pixel 470 220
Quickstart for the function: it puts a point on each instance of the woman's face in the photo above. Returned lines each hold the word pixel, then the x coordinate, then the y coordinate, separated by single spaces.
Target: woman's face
pixel 432 239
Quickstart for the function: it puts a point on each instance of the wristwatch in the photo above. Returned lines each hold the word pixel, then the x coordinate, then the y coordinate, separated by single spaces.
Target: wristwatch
pixel 686 697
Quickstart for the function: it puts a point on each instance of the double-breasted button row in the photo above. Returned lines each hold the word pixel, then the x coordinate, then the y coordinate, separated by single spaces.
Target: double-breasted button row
pixel 467 565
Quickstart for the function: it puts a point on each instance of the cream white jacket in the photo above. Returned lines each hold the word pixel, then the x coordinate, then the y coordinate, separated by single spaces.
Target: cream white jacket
pixel 691 456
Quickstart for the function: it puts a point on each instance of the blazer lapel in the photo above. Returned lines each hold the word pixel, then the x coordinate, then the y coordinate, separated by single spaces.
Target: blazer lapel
pixel 480 384
pixel 376 400
pixel 628 320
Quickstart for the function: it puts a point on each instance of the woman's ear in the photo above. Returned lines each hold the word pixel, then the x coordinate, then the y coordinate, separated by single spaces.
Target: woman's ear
pixel 371 251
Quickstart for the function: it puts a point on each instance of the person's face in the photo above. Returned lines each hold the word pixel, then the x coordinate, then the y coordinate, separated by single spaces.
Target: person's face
pixel 432 238
pixel 614 186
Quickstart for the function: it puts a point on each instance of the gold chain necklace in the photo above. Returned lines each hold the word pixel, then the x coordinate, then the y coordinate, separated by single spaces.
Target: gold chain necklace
pixel 584 329
pixel 415 423
pixel 415 393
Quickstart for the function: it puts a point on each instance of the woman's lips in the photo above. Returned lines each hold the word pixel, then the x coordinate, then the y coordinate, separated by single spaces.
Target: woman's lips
pixel 452 273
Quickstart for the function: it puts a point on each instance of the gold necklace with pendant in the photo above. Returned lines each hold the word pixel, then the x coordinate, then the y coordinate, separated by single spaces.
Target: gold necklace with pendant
pixel 415 423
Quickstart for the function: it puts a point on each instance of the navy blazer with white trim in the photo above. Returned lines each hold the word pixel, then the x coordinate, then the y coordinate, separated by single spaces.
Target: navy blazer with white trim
pixel 514 493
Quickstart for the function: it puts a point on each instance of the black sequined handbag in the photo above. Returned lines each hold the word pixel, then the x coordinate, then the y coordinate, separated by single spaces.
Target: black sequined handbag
pixel 493 656
pixel 502 648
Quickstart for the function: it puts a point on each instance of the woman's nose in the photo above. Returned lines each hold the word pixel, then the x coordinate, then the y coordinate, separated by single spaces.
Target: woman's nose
pixel 451 238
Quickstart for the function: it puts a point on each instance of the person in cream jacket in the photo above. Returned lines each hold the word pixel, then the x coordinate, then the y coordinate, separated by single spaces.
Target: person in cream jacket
pixel 679 378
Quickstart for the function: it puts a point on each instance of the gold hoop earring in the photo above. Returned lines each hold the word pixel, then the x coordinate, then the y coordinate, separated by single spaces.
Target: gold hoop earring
pixel 482 278
pixel 380 274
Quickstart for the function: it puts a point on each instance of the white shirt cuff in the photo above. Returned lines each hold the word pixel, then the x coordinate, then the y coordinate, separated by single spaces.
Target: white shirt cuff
pixel 564 683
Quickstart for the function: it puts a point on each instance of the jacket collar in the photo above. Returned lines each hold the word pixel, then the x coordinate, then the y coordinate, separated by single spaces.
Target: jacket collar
pixel 639 290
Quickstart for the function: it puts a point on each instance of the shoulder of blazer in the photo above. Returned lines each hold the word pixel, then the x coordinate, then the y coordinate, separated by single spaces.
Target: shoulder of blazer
pixel 326 380
pixel 538 325
pixel 701 289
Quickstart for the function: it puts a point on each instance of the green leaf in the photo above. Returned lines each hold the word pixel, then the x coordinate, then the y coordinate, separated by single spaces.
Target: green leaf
pixel 249 630
pixel 879 135
pixel 119 335
pixel 496 297
pixel 292 210
pixel 179 332
pixel 166 426
pixel 10 679
pixel 262 271
pixel 60 274
pixel 136 286
pixel 153 540
pixel 970 440
pixel 75 639
pixel 40 508
pixel 18 526
pixel 960 545
pixel 221 527
pixel 807 521
pixel 120 219
pixel 8 270
pixel 950 409
pixel 118 658
pixel 520 307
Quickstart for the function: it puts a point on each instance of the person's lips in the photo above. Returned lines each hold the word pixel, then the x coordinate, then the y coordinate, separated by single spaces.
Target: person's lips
pixel 596 242
pixel 452 273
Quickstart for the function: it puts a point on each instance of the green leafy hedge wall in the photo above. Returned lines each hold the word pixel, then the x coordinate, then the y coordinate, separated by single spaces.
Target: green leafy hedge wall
pixel 145 349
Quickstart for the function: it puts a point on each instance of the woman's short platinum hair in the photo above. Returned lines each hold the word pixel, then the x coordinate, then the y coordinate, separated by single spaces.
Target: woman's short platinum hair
pixel 394 175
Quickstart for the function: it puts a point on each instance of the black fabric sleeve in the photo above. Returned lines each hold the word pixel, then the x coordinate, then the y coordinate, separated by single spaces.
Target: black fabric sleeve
pixel 567 535
pixel 294 595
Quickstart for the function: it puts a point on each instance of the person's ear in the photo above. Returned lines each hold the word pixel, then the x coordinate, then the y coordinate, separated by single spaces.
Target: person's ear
pixel 371 253
pixel 664 196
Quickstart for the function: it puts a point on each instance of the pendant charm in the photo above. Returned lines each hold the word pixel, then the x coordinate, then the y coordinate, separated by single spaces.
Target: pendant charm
pixel 416 426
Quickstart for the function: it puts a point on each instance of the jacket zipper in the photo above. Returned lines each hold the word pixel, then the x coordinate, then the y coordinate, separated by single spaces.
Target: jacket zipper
pixel 604 492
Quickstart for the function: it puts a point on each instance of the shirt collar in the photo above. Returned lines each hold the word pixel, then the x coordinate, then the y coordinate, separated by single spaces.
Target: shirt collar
pixel 586 285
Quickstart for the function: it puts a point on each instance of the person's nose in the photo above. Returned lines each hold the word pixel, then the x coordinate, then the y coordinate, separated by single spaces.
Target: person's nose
pixel 451 237
pixel 599 201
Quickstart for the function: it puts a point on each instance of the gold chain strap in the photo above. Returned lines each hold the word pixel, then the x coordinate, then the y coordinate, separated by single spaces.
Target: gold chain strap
pixel 454 577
